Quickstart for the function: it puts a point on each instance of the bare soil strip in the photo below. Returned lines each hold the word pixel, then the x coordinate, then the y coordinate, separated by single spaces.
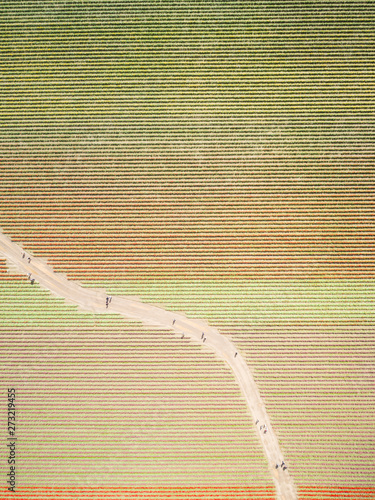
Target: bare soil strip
pixel 95 301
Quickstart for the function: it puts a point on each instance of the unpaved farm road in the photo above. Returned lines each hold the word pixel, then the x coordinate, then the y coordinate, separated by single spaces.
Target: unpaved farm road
pixel 95 301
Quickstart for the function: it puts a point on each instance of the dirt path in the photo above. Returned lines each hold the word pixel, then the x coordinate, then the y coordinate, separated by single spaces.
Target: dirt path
pixel 95 301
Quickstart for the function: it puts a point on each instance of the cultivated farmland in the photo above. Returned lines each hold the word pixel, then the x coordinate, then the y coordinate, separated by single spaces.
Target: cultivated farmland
pixel 311 347
pixel 215 158
pixel 99 396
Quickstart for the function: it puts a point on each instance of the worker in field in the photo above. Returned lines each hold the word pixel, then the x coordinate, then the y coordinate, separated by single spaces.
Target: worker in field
pixel 236 354
pixel 202 335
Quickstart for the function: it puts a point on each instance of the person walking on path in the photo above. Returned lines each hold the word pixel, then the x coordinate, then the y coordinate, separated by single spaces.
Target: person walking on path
pixel 23 255
pixel 29 260
pixel 174 321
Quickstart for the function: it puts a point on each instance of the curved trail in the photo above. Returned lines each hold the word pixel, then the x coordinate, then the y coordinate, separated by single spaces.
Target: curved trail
pixel 94 300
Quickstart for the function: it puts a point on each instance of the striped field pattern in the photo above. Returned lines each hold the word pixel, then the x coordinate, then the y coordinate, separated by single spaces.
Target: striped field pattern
pixel 311 348
pixel 100 399
pixel 216 158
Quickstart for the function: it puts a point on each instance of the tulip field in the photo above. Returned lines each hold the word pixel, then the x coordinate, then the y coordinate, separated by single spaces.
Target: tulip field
pixel 216 159
pixel 100 398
